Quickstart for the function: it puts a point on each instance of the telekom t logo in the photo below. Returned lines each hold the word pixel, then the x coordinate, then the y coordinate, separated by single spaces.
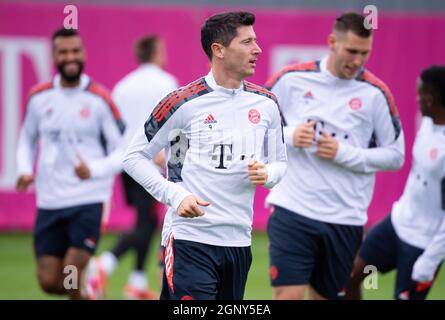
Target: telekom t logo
pixel 11 50
pixel 223 152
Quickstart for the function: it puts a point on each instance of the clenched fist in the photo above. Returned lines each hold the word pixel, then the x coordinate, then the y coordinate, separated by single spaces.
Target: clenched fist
pixel 327 146
pixel 304 135
pixel 257 172
pixel 82 171
pixel 24 182
pixel 190 207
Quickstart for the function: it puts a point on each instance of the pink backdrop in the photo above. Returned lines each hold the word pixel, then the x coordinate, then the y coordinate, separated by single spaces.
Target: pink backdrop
pixel 403 45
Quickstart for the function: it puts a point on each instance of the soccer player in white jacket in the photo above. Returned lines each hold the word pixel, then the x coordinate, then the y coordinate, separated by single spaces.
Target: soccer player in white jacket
pixel 224 137
pixel 412 238
pixel 342 127
pixel 134 95
pixel 76 124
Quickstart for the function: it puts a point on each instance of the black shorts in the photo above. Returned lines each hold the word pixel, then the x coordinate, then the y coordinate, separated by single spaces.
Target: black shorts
pixel 57 230
pixel 305 251
pixel 198 271
pixel 383 249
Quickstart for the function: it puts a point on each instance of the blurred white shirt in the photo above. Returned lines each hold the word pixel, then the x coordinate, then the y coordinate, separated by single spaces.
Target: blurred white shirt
pixel 138 93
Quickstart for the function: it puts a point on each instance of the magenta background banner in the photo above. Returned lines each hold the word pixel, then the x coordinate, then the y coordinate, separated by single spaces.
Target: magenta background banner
pixel 403 45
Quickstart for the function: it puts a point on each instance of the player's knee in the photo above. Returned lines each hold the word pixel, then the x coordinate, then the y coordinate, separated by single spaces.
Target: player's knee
pixel 355 280
pixel 357 274
pixel 49 283
pixel 288 293
pixel 77 258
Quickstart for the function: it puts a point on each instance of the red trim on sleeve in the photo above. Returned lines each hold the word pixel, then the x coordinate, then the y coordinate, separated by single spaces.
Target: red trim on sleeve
pixel 97 89
pixel 307 66
pixel 39 88
pixel 372 79
pixel 176 96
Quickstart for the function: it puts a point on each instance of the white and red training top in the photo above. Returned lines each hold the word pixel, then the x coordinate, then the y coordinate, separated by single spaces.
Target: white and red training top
pixel 68 124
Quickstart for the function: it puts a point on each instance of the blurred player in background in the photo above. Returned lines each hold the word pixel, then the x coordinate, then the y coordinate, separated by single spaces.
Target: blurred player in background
pixel 70 118
pixel 342 128
pixel 136 95
pixel 216 130
pixel 412 238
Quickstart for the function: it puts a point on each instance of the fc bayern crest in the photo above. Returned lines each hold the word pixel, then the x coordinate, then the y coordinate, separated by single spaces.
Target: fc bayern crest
pixel 85 112
pixel 434 153
pixel 254 116
pixel 355 104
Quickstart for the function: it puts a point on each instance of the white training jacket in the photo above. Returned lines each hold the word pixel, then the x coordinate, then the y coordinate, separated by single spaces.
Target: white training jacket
pixel 361 115
pixel 419 215
pixel 68 124
pixel 137 94
pixel 210 133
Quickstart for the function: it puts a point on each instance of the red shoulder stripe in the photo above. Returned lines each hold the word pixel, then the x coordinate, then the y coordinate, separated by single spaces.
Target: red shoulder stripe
pixel 257 87
pixel 158 110
pixel 97 89
pixel 175 97
pixel 192 90
pixel 372 79
pixel 39 88
pixel 307 66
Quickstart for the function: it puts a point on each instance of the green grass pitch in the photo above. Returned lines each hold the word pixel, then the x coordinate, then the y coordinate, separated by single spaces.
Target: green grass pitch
pixel 18 281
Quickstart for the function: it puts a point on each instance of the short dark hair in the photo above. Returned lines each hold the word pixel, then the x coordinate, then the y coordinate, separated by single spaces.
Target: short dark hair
pixel 433 80
pixel 354 22
pixel 145 48
pixel 221 28
pixel 62 32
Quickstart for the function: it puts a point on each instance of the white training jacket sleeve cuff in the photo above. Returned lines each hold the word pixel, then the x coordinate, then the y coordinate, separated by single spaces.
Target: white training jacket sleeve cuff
pixel 427 263
pixel 275 172
pixel 289 135
pixel 146 173
pixel 366 160
pixel 424 269
pixel 109 166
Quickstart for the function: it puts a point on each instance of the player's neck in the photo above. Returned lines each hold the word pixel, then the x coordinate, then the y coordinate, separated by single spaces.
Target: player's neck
pixel 439 119
pixel 69 84
pixel 330 66
pixel 224 78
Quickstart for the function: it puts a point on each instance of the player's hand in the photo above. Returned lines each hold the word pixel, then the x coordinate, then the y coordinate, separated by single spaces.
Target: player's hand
pixel 257 172
pixel 190 207
pixel 423 270
pixel 304 135
pixel 23 182
pixel 82 171
pixel 327 146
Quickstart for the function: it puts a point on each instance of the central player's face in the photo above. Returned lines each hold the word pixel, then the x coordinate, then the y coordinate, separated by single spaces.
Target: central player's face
pixel 242 53
pixel 350 53
pixel 69 57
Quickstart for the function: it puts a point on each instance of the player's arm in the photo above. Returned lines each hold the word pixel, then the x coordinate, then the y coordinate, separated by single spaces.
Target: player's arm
pixel 145 145
pixel 270 173
pixel 390 151
pixel 113 129
pixel 426 265
pixel 25 154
